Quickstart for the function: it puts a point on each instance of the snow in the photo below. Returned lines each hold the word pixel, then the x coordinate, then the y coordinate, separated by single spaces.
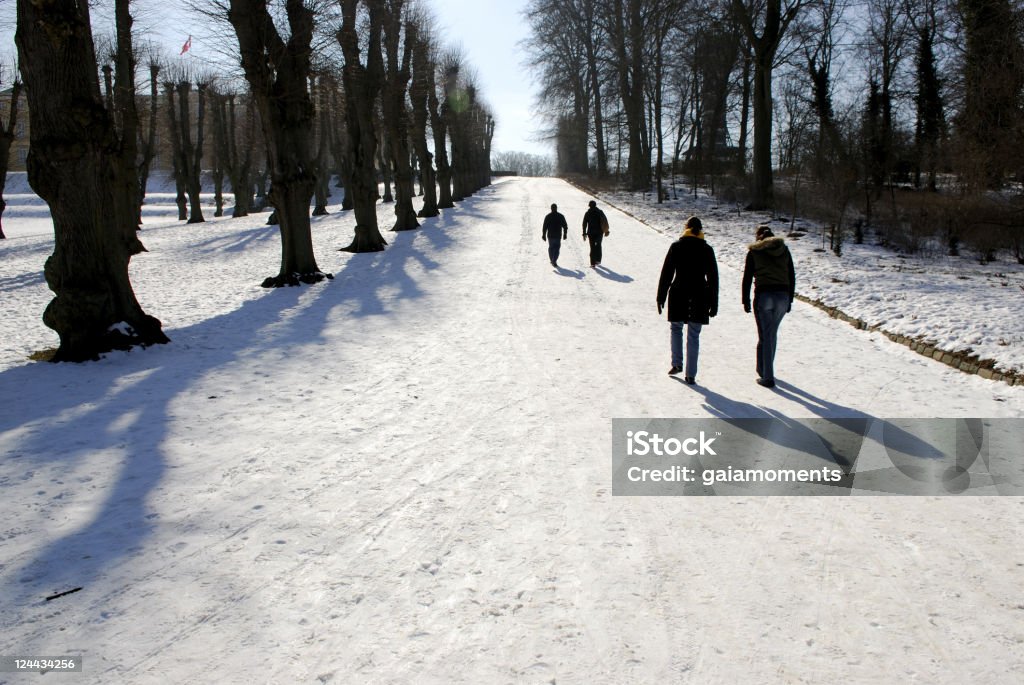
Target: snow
pixel 403 474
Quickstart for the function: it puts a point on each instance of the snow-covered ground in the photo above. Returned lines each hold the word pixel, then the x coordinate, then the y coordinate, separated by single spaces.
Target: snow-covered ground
pixel 403 475
pixel 954 303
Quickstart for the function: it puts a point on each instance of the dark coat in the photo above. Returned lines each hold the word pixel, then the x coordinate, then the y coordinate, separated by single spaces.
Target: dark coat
pixel 689 278
pixel 593 222
pixel 554 227
pixel 769 266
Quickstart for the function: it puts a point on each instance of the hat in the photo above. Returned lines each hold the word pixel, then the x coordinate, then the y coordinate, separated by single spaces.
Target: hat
pixel 764 232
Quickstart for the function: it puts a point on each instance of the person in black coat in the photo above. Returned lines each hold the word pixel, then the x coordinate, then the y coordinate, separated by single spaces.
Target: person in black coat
pixel 555 228
pixel 689 278
pixel 595 228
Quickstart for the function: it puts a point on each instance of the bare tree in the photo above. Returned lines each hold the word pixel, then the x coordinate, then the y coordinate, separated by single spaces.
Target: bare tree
pixel 278 71
pixel 7 131
pixel 889 30
pixel 362 83
pixel 440 122
pixel 192 153
pixel 398 71
pixel 765 23
pixel 179 163
pixel 147 142
pixel 930 125
pixel 339 140
pixel 321 159
pixel 420 88
pixel 83 165
pixel 628 28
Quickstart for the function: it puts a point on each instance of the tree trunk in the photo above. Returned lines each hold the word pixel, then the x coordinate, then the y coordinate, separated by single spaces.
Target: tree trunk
pixel 762 195
pixel 741 145
pixel 774 23
pixel 177 152
pixel 278 74
pixel 321 168
pixel 362 83
pixel 6 139
pixel 628 39
pixel 439 124
pixel 419 93
pixel 396 114
pixel 74 164
pixel 192 155
pixel 148 146
pixel 595 87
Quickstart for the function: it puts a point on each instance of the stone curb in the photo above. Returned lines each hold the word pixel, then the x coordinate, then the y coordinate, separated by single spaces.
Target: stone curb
pixel 962 361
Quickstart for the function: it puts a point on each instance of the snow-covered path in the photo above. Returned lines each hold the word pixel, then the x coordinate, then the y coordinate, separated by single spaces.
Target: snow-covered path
pixel 403 475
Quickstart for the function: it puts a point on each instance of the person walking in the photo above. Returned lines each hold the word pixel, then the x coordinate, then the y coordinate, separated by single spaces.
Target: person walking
pixel 551 233
pixel 689 277
pixel 769 266
pixel 595 228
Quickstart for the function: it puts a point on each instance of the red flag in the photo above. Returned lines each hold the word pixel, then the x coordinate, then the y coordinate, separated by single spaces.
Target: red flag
pixel 186 47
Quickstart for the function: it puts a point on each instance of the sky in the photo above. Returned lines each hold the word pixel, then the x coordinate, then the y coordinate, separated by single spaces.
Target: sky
pixel 489 31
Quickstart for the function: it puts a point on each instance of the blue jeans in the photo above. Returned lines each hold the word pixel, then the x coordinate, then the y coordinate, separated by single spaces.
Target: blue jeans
pixel 769 308
pixel 692 346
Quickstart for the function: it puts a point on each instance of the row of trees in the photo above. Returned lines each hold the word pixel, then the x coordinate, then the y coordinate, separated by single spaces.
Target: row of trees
pixel 853 93
pixel 352 86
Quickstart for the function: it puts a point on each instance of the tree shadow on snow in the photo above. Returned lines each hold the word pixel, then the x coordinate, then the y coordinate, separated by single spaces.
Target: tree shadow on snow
pixel 123 408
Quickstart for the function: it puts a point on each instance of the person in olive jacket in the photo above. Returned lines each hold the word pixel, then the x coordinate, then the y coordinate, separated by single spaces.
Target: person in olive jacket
pixel 595 228
pixel 770 266
pixel 689 278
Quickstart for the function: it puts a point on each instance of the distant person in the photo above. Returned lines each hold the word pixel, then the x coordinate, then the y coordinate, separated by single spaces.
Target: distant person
pixel 595 227
pixel 689 278
pixel 550 233
pixel 770 266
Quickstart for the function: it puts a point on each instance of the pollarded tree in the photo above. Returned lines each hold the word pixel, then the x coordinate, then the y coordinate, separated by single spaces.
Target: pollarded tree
pixel 192 152
pixel 440 123
pixel 362 83
pixel 419 93
pixel 6 138
pixel 278 71
pixel 398 68
pixel 147 142
pixel 338 137
pixel 322 157
pixel 178 160
pixel 79 164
